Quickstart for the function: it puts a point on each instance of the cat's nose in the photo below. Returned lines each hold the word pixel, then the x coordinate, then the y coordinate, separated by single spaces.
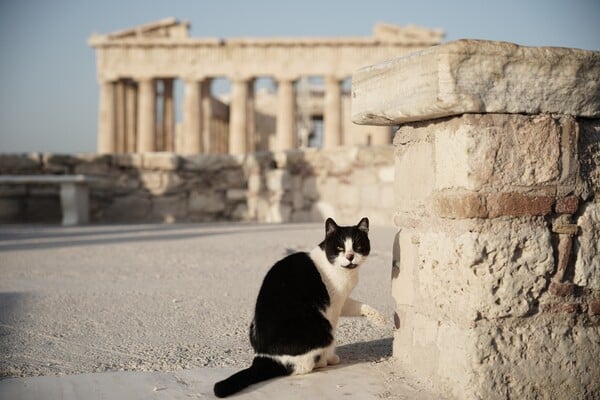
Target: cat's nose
pixel 350 256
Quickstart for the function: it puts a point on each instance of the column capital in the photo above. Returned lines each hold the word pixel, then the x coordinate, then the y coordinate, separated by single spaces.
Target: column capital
pixel 195 78
pixel 286 78
pixel 241 78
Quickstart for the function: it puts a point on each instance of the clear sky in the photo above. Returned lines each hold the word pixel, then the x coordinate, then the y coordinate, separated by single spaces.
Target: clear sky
pixel 48 88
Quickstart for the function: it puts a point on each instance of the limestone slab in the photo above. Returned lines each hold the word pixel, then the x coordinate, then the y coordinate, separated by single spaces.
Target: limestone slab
pixel 477 76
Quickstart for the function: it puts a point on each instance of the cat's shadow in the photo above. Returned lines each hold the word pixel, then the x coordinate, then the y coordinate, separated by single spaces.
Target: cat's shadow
pixel 350 354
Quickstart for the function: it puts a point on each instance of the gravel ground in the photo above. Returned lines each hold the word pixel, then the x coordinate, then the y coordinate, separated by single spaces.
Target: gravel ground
pixel 158 297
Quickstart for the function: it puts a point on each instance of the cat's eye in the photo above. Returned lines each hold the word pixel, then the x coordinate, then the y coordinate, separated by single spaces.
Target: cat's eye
pixel 358 248
pixel 340 248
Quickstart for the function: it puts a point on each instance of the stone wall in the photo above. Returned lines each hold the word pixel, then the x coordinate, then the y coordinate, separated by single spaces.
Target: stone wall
pixel 292 186
pixel 496 271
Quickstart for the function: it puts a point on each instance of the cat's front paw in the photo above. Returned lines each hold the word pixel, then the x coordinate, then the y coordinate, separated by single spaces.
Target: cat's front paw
pixel 334 359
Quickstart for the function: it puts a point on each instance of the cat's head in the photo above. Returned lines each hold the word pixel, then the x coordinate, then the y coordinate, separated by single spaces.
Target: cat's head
pixel 346 246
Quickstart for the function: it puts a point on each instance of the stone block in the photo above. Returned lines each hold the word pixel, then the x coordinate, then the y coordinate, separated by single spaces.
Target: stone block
pixel 161 161
pixel 499 151
pixel 487 360
pixel 477 76
pixel 128 160
pixel 589 155
pixel 309 188
pixel 414 169
pixel 94 165
pixel 518 205
pixel 587 264
pixel 495 269
pixel 459 205
pixel 160 182
pixel 567 205
pixel 206 202
pixel 278 180
pixel 254 183
pixel 211 162
pixel 169 208
pixel 129 208
pixel 14 163
pixel 236 195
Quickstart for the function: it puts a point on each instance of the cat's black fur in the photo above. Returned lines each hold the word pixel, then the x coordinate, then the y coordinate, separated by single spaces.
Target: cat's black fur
pixel 289 316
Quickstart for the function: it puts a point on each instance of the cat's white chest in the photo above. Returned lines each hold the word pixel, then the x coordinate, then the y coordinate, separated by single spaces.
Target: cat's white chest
pixel 338 281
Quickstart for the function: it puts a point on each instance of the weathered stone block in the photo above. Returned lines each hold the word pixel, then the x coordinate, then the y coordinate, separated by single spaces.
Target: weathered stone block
pixel 132 160
pixel 454 78
pixel 499 151
pixel 567 205
pixel 589 155
pixel 459 205
pixel 161 161
pixel 486 360
pixel 14 163
pixel 130 208
pixel 169 208
pixel 495 270
pixel 159 182
pixel 278 180
pixel 414 171
pixel 587 264
pixel 518 205
pixel 206 202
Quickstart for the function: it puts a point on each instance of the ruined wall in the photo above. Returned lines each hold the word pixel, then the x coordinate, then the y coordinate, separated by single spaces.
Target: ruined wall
pixel 496 271
pixel 292 186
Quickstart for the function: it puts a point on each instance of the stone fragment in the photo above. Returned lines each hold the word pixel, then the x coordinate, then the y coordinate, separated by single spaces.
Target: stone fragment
pixel 477 76
pixel 518 205
pixel 594 307
pixel 567 205
pixel 460 205
pixel 587 264
pixel 565 229
pixel 561 289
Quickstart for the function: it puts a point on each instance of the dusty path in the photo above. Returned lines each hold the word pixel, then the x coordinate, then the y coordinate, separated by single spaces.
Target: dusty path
pixel 156 297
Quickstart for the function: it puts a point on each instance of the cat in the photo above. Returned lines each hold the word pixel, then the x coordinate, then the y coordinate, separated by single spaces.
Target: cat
pixel 298 307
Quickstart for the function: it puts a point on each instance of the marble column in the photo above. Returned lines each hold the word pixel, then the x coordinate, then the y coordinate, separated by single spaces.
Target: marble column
pixel 238 116
pixel 191 142
pixel 106 118
pixel 206 113
pixel 168 115
pixel 250 119
pixel 146 115
pixel 286 115
pixel 130 116
pixel 120 116
pixel 332 113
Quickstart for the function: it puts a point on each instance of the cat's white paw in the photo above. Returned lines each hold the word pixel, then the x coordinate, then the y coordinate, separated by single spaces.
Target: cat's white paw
pixel 333 360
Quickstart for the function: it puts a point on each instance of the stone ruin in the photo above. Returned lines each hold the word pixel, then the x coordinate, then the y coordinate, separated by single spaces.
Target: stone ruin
pixel 137 68
pixel 496 272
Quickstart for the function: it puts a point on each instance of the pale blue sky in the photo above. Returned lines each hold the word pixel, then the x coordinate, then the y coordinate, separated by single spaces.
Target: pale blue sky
pixel 48 88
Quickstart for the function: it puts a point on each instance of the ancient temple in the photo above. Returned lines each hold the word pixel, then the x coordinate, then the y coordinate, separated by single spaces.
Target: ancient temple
pixel 137 68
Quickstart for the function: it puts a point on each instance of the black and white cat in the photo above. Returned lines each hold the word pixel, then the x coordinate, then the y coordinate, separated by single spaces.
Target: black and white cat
pixel 298 307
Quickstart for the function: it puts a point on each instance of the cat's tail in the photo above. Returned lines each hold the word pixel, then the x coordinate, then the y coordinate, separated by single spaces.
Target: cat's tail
pixel 262 368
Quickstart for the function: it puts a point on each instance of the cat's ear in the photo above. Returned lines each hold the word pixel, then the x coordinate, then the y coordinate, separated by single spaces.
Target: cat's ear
pixel 330 226
pixel 363 225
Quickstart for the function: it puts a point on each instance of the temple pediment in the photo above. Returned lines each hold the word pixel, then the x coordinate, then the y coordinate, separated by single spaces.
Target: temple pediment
pixel 164 28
